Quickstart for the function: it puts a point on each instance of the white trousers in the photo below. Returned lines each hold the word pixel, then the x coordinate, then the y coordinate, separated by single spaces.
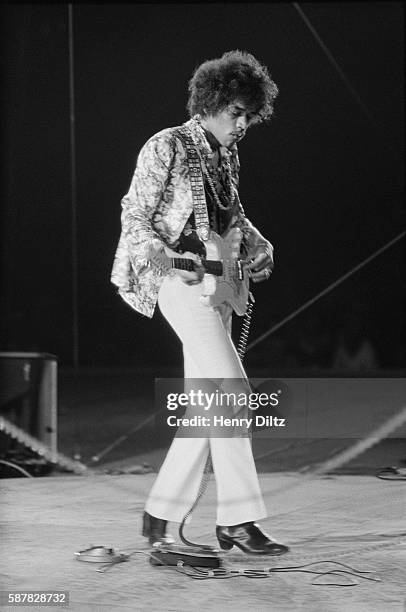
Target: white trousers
pixel 209 352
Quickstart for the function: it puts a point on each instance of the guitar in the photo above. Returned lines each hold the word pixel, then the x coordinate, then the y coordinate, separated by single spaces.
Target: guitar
pixel 225 278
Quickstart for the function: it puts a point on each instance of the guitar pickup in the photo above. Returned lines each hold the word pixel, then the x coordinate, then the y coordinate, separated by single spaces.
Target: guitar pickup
pixel 213 267
pixel 240 273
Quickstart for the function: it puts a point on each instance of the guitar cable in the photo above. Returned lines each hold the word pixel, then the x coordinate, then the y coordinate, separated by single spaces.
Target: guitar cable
pixel 243 339
pixel 241 349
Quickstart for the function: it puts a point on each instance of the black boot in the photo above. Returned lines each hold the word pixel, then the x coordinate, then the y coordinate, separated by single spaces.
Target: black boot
pixel 155 529
pixel 250 538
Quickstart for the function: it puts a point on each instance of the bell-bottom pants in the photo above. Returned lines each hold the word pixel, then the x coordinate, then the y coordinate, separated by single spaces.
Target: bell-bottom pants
pixel 209 353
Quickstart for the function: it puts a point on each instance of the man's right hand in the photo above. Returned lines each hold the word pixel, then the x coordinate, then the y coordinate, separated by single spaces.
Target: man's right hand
pixel 192 278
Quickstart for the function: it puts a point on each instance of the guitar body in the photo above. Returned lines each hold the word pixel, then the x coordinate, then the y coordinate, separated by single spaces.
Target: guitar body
pixel 232 284
pixel 228 287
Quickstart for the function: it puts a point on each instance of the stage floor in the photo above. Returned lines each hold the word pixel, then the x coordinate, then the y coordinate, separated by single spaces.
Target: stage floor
pixel 355 520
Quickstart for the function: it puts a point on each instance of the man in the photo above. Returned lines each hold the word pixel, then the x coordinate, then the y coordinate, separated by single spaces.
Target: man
pixel 185 189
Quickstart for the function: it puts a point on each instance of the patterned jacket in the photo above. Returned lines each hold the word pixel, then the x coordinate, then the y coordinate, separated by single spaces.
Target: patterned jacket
pixel 155 211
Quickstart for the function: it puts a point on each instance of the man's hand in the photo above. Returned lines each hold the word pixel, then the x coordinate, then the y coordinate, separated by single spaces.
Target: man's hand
pixel 192 278
pixel 260 268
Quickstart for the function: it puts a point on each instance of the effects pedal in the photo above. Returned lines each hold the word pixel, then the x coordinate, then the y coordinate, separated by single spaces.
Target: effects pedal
pixel 193 556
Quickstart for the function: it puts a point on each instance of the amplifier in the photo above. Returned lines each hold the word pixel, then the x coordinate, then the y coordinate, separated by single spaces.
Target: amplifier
pixel 28 395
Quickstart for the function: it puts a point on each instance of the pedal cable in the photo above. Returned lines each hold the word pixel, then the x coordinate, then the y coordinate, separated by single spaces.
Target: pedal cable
pixel 222 573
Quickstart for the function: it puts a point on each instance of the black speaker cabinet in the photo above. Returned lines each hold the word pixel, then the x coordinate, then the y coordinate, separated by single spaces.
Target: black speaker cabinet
pixel 28 395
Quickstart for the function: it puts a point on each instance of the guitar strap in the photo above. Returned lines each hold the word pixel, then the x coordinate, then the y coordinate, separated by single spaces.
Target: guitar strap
pixel 196 183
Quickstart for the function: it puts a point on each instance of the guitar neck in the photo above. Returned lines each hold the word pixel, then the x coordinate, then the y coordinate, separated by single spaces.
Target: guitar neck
pixel 210 266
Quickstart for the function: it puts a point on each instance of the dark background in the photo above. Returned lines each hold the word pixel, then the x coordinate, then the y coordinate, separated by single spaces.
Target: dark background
pixel 324 181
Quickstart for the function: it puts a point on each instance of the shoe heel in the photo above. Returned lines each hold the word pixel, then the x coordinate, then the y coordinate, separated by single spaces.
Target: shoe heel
pixel 225 544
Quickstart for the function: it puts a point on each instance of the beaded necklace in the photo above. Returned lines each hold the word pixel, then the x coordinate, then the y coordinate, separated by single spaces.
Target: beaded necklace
pixel 213 188
pixel 225 161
